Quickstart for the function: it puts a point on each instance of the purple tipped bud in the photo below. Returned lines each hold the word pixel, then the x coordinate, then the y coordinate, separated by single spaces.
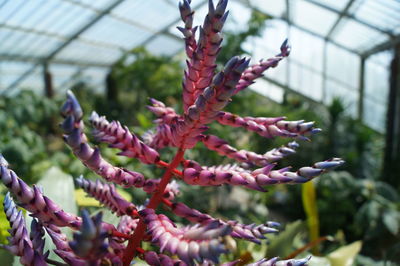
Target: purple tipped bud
pixel 3 161
pixel 221 6
pixel 330 164
pixel 231 64
pixel 89 243
pixel 285 48
pixel 211 8
pixel 75 108
pixel 309 171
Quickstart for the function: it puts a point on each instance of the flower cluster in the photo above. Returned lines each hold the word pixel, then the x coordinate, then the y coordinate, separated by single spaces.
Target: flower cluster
pixel 205 94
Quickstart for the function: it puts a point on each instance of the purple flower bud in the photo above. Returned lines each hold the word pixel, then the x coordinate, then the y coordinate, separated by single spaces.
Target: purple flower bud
pixel 89 243
pixel 35 202
pixel 36 235
pixel 107 195
pixel 276 262
pixel 268 127
pixel 127 224
pixel 189 243
pixel 329 164
pixel 20 244
pixel 152 258
pixel 256 71
pixel 91 157
pixel 120 137
pixel 285 48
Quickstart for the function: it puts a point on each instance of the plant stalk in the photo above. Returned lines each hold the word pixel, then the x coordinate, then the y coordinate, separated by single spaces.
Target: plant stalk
pixel 137 236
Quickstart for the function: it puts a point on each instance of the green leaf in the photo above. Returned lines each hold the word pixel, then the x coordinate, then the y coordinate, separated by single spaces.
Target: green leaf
pixel 6 257
pixel 345 256
pixel 59 187
pixel 281 245
pixel 318 261
pixel 391 221
pixel 4 224
pixel 144 122
pixel 108 216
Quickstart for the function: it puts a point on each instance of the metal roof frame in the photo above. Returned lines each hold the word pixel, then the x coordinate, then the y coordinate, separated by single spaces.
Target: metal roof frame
pixel 68 41
pixel 101 14
pixel 344 13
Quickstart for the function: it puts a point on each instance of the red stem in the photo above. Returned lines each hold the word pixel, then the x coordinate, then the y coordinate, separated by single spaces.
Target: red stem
pixel 167 202
pixel 136 238
pixel 166 165
pixel 119 234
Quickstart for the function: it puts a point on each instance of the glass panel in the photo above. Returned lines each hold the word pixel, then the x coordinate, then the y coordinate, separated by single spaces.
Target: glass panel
pixel 377 77
pixel 152 14
pixel 305 81
pixel 269 42
pixel 71 21
pixel 275 8
pixel 100 4
pixel 11 71
pixel 39 47
pixel 374 115
pixel 80 51
pixel 163 45
pixel 268 89
pixel 59 17
pixel 336 4
pixel 44 12
pixel 10 9
pixel 24 12
pixel 95 77
pixel 356 36
pixel 33 82
pixel 384 14
pixel 22 43
pixel 306 49
pixel 111 31
pixel 342 66
pixel 267 46
pixel 238 18
pixel 348 96
pixel 260 49
pixel 61 73
pixel 377 74
pixel 312 17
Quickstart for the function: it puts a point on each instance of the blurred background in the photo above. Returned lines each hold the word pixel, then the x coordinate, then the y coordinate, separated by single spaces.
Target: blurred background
pixel 343 73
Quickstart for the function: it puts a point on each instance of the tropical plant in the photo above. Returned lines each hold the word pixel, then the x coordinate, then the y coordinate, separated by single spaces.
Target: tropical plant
pixel 205 94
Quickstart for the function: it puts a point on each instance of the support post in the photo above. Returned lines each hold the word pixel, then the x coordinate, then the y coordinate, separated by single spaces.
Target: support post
pixel 391 165
pixel 324 69
pixel 361 89
pixel 48 82
pixel 112 89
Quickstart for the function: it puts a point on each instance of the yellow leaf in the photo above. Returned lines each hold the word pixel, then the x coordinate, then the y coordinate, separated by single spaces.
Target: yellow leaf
pixel 345 256
pixel 310 207
pixel 125 194
pixel 82 199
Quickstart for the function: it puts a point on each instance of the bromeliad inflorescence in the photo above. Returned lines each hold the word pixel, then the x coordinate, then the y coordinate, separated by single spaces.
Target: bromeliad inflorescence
pixel 205 94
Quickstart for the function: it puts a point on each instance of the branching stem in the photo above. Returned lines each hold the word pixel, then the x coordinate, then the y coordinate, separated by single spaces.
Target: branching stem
pixel 137 236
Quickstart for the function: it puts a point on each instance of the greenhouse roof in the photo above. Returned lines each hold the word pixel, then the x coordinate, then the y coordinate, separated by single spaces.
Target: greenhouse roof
pixel 332 41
